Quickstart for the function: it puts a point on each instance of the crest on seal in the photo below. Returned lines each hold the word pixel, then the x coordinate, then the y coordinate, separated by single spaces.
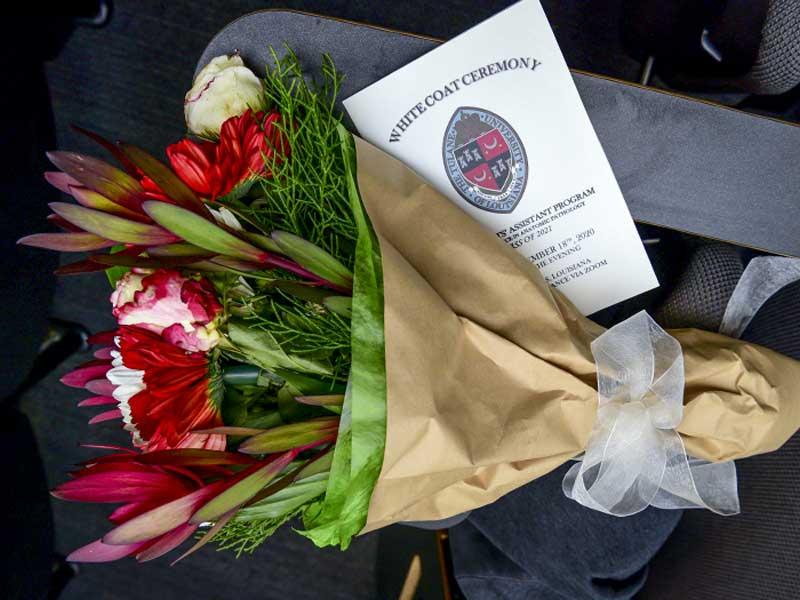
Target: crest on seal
pixel 485 159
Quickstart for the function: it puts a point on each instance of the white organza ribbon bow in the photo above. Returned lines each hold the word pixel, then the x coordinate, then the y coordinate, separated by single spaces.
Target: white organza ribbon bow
pixel 635 457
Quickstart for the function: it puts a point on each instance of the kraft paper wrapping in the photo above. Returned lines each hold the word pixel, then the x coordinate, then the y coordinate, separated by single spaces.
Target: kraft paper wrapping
pixel 491 382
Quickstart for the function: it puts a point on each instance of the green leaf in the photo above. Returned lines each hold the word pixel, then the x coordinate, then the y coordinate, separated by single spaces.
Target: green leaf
pixel 239 191
pixel 230 430
pixel 303 384
pixel 242 491
pixel 216 386
pixel 201 232
pixel 260 348
pixel 232 264
pixel 144 262
pixel 179 249
pixel 114 274
pixel 237 412
pixel 313 258
pixel 79 267
pixel 358 455
pixel 262 241
pixel 302 291
pixel 292 411
pixel 326 400
pixel 111 147
pixel 91 199
pixel 331 403
pixel 286 500
pixel 112 227
pixel 184 457
pixel 287 437
pixel 341 305
pixel 163 177
pixel 66 242
pixel 319 465
pixel 98 175
pixel 265 419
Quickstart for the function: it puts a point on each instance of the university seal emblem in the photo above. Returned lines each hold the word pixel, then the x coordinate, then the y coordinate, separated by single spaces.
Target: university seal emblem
pixel 485 160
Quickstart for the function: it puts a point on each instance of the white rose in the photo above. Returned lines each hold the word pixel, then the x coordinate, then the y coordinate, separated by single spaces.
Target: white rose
pixel 224 88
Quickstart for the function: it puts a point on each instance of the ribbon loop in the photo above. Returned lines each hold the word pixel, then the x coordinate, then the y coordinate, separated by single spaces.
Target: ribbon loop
pixel 635 457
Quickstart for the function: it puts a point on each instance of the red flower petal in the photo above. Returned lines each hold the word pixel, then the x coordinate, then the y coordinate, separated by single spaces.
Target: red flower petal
pixel 167 542
pixel 83 375
pixel 126 512
pixel 101 387
pixel 160 520
pixel 97 401
pixel 113 485
pixel 97 551
pixel 213 170
pixel 108 415
pixel 189 457
pixel 103 354
pixel 177 397
pixel 102 337
pixel 109 447
pixel 61 181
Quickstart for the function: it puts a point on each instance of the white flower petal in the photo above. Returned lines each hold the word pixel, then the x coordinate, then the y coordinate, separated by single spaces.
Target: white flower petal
pixel 129 382
pixel 224 88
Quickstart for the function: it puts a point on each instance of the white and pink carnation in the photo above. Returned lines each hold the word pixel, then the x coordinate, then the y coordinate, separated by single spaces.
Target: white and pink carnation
pixel 183 310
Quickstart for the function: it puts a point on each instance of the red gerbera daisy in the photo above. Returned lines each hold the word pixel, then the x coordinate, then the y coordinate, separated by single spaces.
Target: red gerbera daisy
pixel 246 146
pixel 163 393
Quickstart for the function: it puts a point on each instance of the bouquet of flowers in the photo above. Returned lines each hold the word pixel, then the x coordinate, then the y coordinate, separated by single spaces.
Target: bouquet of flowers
pixel 306 329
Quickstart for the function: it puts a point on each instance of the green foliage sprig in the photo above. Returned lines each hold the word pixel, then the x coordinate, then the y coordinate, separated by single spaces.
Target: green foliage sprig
pixel 307 194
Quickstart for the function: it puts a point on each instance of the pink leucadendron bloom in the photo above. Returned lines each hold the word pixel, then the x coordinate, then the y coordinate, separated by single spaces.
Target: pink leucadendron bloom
pixel 182 310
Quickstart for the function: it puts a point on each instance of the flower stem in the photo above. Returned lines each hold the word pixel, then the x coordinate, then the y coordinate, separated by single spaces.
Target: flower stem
pixel 286 264
pixel 241 375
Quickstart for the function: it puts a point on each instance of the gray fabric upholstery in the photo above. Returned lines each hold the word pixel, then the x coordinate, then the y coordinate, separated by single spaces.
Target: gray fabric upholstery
pixel 777 324
pixel 702 291
pixel 777 67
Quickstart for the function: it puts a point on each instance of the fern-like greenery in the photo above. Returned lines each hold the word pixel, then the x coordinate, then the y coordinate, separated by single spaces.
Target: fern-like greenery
pixel 245 536
pixel 307 194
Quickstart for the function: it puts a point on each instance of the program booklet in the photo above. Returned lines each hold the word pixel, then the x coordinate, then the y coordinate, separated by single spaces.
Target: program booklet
pixel 493 120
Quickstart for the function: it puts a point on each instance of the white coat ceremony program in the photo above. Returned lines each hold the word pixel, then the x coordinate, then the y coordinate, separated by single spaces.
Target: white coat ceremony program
pixel 493 120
